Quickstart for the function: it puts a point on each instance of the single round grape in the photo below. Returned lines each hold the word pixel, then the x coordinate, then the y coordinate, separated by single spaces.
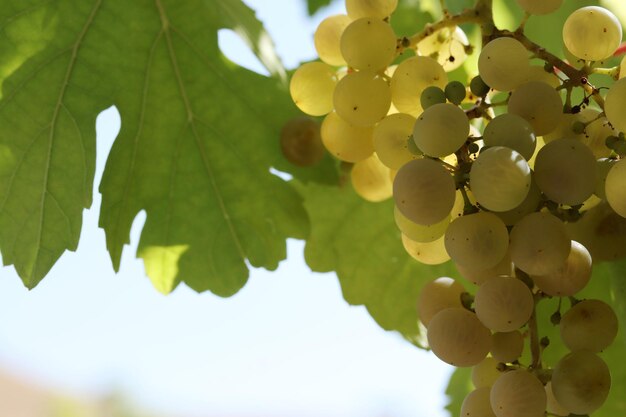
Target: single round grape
pixel 553 405
pixel 419 232
pixel 441 130
pixel 478 87
pixel 538 103
pixel 312 87
pixel 539 73
pixel 457 337
pixel 379 9
pixel 565 171
pixel 512 131
pixel 438 295
pixel 478 276
pixel 569 278
pixel 447 46
pixel 518 394
pixel 429 253
pixel 539 243
pixel 503 304
pixel 347 142
pixel 478 241
pixel 477 404
pixel 500 178
pixel 581 382
pixel 507 347
pixel 411 77
pixel 615 103
pixel 539 7
pixel 529 205
pixel 326 39
pixel 391 138
pixel 368 44
pixel 503 64
pixel 589 325
pixel 597 129
pixel 485 373
pixel 614 188
pixel 432 95
pixel 603 167
pixel 592 33
pixel 370 179
pixel 300 141
pixel 455 92
pixel 362 98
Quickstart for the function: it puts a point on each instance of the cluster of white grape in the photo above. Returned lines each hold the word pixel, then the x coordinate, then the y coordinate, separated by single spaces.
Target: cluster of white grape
pixel 521 201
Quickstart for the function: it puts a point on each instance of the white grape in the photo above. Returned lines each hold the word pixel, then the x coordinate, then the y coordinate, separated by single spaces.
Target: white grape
pixel 614 188
pixel 518 394
pixel 441 130
pixel 592 33
pixel 571 277
pixel 539 104
pixel 371 180
pixel 419 232
pixel 485 373
pixel 589 325
pixel 503 304
pixel 477 404
pixel 368 44
pixel 603 167
pixel 362 98
pixel 507 347
pixel 438 295
pixel 540 7
pixel 347 142
pixel 428 253
pixel 503 63
pixel 615 105
pixel 327 36
pixel 410 79
pixel 312 87
pixel 480 275
pixel 391 136
pixel 379 9
pixel 512 131
pixel 529 205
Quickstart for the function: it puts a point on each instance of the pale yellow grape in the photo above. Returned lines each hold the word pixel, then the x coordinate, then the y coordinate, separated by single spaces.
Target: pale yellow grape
pixel 419 232
pixel 581 382
pixel 391 136
pixel 603 167
pixel 596 132
pixel 565 170
pixel 312 87
pixel 589 325
pixel 370 179
pixel 530 204
pixel 441 130
pixel 512 131
pixel 564 128
pixel 424 191
pixel 503 304
pixel 437 295
pixel 622 68
pixel 477 404
pixel 411 77
pixel 362 98
pixel 500 178
pixel 345 141
pixel 368 44
pixel 327 36
pixel 447 46
pixel 503 64
pixel 592 33
pixel 539 243
pixel 478 276
pixel 518 394
pixel 615 105
pixel 538 103
pixel 553 405
pixel 615 187
pixel 485 373
pixel 507 347
pixel 571 277
pixel 457 337
pixel 538 73
pixel 370 8
pixel 430 253
pixel 459 203
pixel 539 7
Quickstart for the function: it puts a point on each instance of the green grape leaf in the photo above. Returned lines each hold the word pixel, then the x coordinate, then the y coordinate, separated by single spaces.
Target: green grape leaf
pixel 459 386
pixel 314 5
pixel 359 240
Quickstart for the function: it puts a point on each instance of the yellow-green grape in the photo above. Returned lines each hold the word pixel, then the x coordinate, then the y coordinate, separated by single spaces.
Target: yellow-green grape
pixel 512 131
pixel 441 130
pixel 424 191
pixel 368 44
pixel 312 87
pixel 622 68
pixel 602 232
pixel 447 46
pixel 432 95
pixel 553 406
pixel 538 103
pixel 564 128
pixel 478 276
pixel 615 105
pixel 603 167
pixel 300 141
pixel 592 33
pixel 391 136
pixel 477 404
pixel 581 382
pixel 430 253
pixel 507 347
pixel 503 304
pixel 419 232
pixel 539 7
pixel 500 178
pixel 457 337
pixel 478 241
pixel 518 394
pixel 326 39
pixel 362 98
pixel 438 295
pixel 539 243
pixel 565 171
pixel 379 9
pixel 597 129
pixel 347 142
pixel 485 373
pixel 411 77
pixel 538 73
pixel 615 189
pixel 503 64
pixel 589 325
pixel 530 204
pixel 370 179
pixel 571 277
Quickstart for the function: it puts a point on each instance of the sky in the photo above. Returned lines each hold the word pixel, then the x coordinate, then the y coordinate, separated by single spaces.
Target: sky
pixel 285 345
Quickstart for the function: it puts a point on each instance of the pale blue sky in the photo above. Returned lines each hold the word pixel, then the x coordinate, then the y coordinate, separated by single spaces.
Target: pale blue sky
pixel 286 345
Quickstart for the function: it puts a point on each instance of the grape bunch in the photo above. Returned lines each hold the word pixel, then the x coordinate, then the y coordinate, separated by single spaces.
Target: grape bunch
pixel 518 176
